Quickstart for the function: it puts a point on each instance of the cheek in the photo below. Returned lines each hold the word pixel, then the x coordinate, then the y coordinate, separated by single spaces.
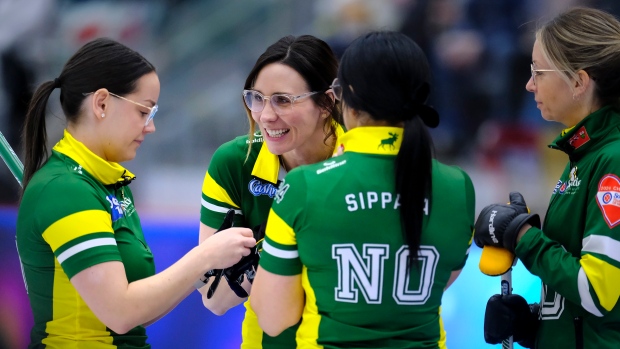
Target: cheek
pixel 255 117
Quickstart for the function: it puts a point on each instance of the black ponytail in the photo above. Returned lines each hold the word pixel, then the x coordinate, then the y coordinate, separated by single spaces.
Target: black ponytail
pixel 389 76
pixel 101 63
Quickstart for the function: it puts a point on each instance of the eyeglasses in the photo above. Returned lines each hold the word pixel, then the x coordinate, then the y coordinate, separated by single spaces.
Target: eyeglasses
pixel 335 86
pixel 152 109
pixel 536 71
pixel 281 103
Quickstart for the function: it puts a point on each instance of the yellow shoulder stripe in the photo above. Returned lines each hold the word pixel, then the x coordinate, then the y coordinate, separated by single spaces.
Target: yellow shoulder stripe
pixel 600 274
pixel 76 225
pixel 278 231
pixel 213 190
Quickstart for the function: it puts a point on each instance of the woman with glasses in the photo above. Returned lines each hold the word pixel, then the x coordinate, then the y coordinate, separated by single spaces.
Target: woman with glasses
pixel 361 248
pixel 293 121
pixel 576 82
pixel 87 267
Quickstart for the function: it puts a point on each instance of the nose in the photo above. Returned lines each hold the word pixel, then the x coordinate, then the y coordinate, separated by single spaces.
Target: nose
pixel 530 87
pixel 268 114
pixel 150 128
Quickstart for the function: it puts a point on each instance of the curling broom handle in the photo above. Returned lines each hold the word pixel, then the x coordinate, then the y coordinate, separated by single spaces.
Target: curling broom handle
pixel 11 159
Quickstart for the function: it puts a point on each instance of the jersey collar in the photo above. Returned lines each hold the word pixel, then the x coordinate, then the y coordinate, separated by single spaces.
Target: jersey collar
pixel 380 140
pixel 105 172
pixel 267 165
pixel 588 134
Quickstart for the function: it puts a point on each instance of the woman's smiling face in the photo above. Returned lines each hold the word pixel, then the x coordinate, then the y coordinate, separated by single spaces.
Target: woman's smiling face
pixel 302 126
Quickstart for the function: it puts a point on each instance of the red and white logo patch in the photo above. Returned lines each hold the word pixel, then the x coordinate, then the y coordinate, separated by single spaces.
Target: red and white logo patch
pixel 579 138
pixel 608 199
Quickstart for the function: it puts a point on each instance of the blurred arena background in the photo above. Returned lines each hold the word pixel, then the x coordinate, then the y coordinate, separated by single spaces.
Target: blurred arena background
pixel 479 51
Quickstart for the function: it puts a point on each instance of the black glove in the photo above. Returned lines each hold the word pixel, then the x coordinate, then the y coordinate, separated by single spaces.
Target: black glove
pixel 227 223
pixel 510 315
pixel 499 224
pixel 246 266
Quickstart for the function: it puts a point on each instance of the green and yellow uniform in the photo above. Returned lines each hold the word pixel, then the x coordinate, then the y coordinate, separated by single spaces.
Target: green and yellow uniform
pixel 248 187
pixel 577 252
pixel 337 223
pixel 75 214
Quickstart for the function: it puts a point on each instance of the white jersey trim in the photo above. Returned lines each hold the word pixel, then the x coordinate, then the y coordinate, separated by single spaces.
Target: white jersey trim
pixel 216 208
pixel 602 245
pixel 83 246
pixel 584 292
pixel 276 252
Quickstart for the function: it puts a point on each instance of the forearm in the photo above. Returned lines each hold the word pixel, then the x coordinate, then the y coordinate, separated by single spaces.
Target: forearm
pixel 166 312
pixel 548 260
pixel 122 306
pixel 453 276
pixel 277 300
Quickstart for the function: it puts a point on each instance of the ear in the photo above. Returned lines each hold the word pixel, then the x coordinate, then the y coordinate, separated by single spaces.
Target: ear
pixel 582 82
pixel 331 95
pixel 325 112
pixel 99 103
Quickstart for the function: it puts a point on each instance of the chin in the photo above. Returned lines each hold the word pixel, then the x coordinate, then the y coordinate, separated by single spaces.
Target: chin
pixel 276 149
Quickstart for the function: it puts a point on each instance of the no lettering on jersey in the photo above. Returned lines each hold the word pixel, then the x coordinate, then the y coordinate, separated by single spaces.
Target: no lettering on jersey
pixel 337 224
pixel 73 215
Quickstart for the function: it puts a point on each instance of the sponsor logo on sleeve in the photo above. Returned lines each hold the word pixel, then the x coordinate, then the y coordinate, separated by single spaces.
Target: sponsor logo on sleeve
pixel 115 208
pixel 608 199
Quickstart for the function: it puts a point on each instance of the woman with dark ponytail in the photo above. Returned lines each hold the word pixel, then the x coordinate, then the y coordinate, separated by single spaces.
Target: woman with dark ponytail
pixel 88 270
pixel 361 247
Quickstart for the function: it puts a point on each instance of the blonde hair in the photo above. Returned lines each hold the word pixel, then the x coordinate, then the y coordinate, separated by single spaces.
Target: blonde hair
pixel 585 39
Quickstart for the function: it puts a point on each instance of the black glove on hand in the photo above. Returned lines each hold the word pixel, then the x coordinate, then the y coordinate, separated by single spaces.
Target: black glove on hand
pixel 246 266
pixel 510 315
pixel 227 223
pixel 499 224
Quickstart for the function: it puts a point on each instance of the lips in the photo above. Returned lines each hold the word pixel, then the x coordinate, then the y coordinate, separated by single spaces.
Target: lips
pixel 277 133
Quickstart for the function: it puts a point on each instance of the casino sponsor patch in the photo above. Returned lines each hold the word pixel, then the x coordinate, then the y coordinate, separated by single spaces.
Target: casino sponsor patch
pixel 258 188
pixel 579 138
pixel 608 199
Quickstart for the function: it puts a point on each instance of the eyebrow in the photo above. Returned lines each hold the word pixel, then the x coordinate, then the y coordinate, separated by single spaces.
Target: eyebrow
pixel 276 93
pixel 150 101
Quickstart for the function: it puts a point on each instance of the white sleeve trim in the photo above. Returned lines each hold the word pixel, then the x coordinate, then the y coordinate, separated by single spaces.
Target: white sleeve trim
pixel 602 245
pixel 216 208
pixel 83 246
pixel 276 252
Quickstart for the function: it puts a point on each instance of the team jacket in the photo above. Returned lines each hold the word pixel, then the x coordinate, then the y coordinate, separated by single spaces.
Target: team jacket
pixel 73 215
pixel 337 223
pixel 248 187
pixel 577 253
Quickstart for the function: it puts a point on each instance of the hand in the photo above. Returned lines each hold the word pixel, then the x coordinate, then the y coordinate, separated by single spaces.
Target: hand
pixel 510 315
pixel 228 247
pixel 498 224
pixel 247 266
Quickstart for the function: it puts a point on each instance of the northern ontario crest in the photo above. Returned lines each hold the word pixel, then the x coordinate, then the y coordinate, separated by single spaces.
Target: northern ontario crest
pixel 389 141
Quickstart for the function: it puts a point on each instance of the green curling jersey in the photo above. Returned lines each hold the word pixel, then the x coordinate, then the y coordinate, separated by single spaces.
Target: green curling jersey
pixel 248 186
pixel 73 216
pixel 577 253
pixel 337 223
